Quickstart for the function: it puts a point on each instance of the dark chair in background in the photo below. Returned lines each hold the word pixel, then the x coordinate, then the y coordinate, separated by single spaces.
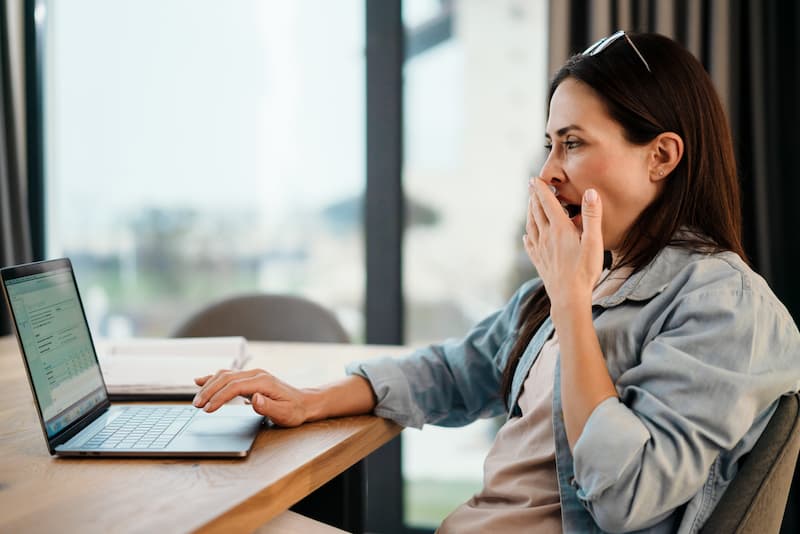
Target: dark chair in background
pixel 265 317
pixel 269 317
pixel 754 503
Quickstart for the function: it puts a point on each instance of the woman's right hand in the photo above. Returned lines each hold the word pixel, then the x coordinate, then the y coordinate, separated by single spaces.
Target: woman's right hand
pixel 283 404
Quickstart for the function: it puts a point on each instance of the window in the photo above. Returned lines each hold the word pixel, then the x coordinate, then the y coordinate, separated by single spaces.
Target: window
pixel 197 148
pixel 475 86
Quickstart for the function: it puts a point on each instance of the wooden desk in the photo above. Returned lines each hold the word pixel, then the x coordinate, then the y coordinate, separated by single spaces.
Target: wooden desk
pixel 40 493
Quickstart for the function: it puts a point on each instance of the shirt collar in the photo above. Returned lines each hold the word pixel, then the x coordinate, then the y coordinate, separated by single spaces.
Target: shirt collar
pixel 652 279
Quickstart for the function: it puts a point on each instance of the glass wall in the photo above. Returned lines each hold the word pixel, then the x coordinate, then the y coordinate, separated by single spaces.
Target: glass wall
pixel 197 148
pixel 475 86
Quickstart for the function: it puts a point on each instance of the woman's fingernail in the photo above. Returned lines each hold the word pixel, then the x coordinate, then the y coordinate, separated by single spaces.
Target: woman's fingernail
pixel 196 401
pixel 590 196
pixel 553 189
pixel 207 407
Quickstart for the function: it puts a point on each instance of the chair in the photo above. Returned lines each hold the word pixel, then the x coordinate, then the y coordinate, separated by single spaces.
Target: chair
pixel 265 317
pixel 755 501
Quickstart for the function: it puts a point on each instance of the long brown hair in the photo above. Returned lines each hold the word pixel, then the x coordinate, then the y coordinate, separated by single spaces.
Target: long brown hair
pixel 702 192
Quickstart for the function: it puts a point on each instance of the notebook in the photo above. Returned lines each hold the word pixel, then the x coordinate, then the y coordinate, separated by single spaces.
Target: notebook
pixel 151 369
pixel 69 392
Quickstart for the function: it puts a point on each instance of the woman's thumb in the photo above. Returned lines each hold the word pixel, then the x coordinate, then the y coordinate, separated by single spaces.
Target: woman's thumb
pixel 591 220
pixel 259 401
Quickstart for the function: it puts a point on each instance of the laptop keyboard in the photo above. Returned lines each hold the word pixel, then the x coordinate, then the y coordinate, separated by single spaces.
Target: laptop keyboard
pixel 142 427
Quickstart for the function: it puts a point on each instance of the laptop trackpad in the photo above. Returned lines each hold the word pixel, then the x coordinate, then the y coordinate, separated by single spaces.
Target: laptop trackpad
pixel 231 429
pixel 214 426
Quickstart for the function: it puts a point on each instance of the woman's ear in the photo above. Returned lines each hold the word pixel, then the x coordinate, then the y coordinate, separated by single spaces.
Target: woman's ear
pixel 665 156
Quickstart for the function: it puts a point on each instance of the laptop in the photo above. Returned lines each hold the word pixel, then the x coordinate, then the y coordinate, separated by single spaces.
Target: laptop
pixel 70 394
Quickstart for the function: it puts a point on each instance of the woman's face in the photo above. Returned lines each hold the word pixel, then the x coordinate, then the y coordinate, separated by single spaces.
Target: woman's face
pixel 588 150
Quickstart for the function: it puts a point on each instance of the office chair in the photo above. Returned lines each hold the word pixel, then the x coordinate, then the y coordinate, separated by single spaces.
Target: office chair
pixel 265 317
pixel 755 501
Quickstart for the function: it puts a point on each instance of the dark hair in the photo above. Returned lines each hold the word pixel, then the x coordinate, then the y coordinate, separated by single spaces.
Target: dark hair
pixel 701 194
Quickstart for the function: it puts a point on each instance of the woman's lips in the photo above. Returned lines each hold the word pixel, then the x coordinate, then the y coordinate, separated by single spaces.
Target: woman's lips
pixel 570 208
pixel 573 211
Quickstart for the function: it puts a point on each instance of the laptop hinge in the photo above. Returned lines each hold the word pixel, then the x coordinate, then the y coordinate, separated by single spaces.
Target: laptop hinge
pixel 75 428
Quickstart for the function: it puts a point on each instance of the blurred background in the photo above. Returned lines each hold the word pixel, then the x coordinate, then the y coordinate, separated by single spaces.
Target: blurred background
pixel 194 149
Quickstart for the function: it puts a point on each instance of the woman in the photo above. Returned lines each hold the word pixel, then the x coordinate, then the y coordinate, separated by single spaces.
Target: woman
pixel 631 392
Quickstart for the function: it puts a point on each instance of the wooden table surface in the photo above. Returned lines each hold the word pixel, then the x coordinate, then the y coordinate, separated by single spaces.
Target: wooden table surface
pixel 41 493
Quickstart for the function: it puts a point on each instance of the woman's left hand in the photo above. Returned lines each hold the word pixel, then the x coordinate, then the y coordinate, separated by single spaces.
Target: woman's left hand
pixel 568 261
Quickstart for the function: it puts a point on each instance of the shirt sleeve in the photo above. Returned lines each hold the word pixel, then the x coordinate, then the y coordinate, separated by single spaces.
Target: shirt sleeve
pixel 447 384
pixel 714 368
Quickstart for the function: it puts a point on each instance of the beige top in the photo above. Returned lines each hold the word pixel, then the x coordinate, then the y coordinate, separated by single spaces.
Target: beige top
pixel 520 487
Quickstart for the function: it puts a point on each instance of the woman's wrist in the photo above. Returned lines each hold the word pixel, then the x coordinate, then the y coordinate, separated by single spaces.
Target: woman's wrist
pixel 350 396
pixel 569 306
pixel 313 400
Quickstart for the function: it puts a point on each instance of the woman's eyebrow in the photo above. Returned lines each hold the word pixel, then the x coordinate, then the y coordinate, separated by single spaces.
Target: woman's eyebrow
pixel 561 132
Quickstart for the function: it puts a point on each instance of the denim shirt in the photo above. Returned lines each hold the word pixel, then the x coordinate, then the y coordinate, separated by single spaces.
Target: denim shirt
pixel 699 349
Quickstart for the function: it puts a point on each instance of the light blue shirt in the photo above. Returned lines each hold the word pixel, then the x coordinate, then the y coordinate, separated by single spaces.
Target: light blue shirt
pixel 699 349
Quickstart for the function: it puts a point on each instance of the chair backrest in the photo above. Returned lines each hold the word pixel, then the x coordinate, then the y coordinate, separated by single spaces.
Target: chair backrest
pixel 265 317
pixel 755 501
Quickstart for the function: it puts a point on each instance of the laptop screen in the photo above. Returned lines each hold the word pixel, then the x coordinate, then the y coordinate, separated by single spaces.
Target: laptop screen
pixel 57 346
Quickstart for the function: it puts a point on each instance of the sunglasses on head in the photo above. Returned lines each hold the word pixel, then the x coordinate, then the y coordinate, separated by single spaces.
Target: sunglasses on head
pixel 604 43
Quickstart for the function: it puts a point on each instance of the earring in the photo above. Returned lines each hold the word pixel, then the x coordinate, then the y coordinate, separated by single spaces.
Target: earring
pixel 661 172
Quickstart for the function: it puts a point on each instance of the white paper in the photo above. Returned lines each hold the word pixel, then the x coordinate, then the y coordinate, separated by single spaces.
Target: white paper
pixel 147 365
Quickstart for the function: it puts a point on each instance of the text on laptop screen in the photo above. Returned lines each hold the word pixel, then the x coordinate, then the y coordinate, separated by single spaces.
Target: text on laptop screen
pixel 57 346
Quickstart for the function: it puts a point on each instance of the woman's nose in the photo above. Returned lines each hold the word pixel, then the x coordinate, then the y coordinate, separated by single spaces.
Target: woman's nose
pixel 551 172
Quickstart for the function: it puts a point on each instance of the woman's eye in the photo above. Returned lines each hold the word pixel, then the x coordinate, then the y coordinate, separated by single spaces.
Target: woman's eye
pixel 569 145
pixel 548 147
